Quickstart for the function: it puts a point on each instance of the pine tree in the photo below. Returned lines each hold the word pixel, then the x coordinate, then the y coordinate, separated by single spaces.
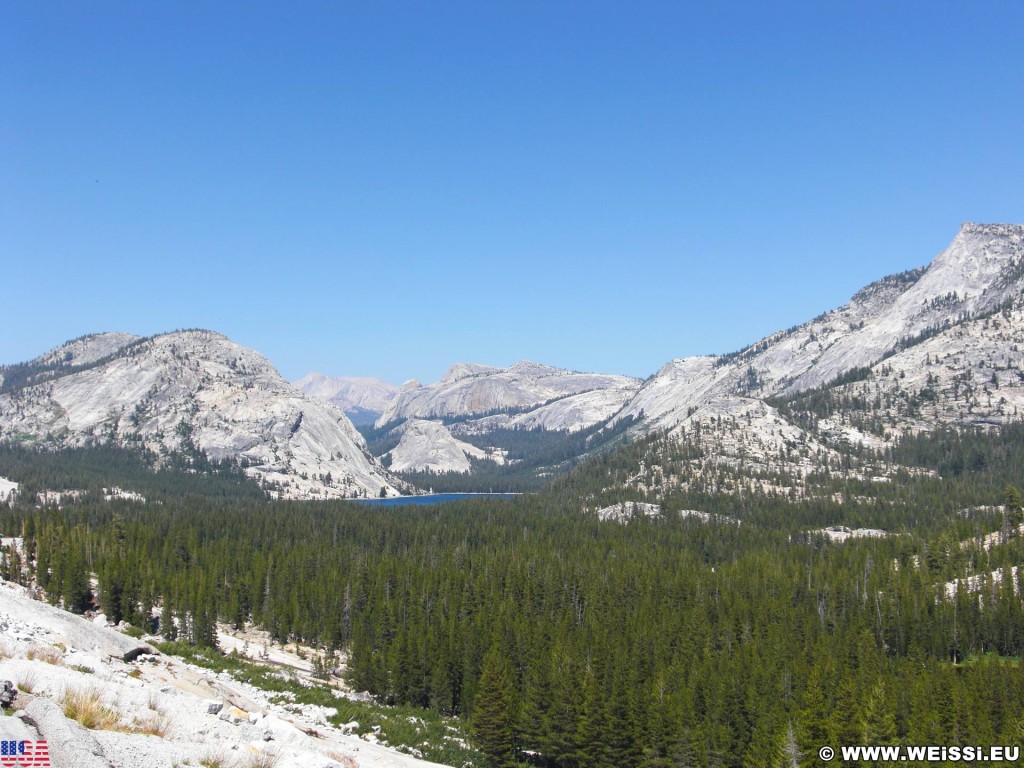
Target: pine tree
pixel 877 720
pixel 595 726
pixel 564 713
pixel 77 594
pixel 493 717
pixel 1014 514
pixel 167 627
pixel 817 708
pixel 765 749
pixel 112 591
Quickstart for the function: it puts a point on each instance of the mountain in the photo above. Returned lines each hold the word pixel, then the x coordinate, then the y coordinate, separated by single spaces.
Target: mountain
pixel 192 394
pixel 521 395
pixel 936 345
pixel 939 344
pixel 428 446
pixel 83 351
pixel 445 426
pixel 362 399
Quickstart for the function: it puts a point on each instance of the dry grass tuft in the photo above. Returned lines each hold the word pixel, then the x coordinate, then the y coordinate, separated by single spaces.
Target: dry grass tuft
pixel 268 759
pixel 87 707
pixel 154 725
pixel 27 681
pixel 154 703
pixel 51 655
pixel 212 760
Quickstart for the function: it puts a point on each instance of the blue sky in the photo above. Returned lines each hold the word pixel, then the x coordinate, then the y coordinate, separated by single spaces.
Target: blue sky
pixel 387 188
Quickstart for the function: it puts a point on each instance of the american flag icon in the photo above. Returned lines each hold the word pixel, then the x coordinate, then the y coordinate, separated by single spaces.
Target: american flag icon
pixel 24 754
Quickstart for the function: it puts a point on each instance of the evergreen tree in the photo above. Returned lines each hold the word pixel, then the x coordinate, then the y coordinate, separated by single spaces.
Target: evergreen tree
pixel 595 726
pixel 75 591
pixel 1014 512
pixel 493 720
pixel 878 719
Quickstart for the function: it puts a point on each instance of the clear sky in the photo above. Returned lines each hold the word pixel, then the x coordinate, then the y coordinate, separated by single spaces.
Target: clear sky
pixel 385 188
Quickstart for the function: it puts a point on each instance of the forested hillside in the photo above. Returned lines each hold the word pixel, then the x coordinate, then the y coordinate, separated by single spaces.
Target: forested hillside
pixel 567 641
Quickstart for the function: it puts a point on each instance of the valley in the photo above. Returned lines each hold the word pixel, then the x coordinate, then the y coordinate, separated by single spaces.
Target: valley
pixel 813 540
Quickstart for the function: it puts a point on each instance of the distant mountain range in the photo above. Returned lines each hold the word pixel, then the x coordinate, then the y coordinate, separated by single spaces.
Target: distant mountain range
pixel 362 399
pixel 427 424
pixel 941 344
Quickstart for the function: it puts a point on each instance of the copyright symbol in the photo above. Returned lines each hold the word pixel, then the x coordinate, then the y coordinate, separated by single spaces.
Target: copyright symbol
pixel 826 753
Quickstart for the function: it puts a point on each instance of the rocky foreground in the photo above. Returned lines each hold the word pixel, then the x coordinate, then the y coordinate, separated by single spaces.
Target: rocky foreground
pixel 148 710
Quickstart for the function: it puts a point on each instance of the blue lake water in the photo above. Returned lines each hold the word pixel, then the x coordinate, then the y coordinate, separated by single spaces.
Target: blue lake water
pixel 433 498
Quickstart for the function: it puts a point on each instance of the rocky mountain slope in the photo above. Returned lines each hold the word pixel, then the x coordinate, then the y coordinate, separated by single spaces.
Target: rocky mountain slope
pixel 154 711
pixel 475 400
pixel 195 393
pixel 430 446
pixel 979 273
pixel 526 388
pixel 940 344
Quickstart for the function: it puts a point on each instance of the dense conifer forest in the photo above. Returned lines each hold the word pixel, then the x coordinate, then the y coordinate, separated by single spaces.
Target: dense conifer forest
pixel 566 641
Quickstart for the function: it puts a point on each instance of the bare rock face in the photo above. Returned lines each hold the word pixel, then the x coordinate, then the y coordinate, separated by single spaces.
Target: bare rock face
pixel 981 270
pixel 430 446
pixel 88 349
pixel 521 390
pixel 8 490
pixel 192 391
pixel 70 745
